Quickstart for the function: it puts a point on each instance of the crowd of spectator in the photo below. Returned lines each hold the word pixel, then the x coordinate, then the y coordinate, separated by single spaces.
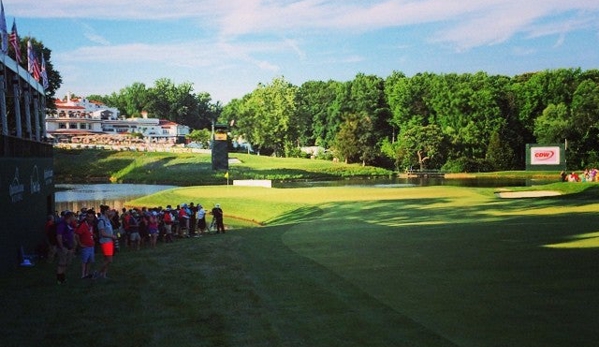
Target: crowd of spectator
pixel 588 175
pixel 87 232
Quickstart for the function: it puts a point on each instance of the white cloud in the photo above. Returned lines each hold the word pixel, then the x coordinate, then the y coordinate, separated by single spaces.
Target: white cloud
pixel 296 48
pixel 191 54
pixel 466 23
pixel 90 33
pixel 560 41
pixel 523 51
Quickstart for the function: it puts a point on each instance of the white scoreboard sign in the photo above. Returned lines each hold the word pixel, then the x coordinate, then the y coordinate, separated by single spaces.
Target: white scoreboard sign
pixel 549 155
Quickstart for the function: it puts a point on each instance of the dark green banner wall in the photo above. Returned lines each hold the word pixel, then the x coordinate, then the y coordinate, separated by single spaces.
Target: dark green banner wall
pixel 26 197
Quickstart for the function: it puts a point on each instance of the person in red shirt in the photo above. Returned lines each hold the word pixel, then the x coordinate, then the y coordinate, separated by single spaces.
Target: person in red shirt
pixel 85 233
pixel 183 221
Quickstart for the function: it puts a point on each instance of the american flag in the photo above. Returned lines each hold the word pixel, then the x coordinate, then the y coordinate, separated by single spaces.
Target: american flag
pixel 15 42
pixel 45 82
pixel 33 65
pixel 3 30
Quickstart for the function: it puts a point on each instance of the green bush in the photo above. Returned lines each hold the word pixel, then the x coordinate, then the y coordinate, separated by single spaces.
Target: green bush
pixel 326 155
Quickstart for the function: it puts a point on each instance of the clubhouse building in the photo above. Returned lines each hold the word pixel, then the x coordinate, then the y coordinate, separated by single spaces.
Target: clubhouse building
pixel 83 120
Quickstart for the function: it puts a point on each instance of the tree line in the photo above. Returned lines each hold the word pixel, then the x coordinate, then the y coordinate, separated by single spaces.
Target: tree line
pixel 453 122
pixel 164 100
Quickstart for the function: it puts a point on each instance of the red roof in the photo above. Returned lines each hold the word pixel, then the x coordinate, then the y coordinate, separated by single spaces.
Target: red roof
pixel 166 122
pixel 64 107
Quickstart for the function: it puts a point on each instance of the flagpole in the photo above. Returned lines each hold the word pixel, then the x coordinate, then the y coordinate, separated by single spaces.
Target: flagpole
pixel 4 48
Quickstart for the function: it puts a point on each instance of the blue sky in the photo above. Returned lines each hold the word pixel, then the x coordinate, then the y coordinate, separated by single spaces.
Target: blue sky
pixel 227 47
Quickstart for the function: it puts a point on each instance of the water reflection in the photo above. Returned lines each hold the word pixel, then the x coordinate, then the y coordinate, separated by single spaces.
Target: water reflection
pixel 75 196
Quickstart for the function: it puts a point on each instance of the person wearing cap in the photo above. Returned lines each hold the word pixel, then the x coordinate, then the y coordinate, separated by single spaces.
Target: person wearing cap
pixel 217 212
pixel 183 221
pixel 134 236
pixel 153 227
pixel 201 218
pixel 64 244
pixel 167 218
pixel 107 237
pixel 85 233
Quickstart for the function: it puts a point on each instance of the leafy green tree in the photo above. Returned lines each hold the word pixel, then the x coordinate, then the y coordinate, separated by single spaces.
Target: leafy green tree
pixel 367 99
pixel 554 125
pixel 316 99
pixel 585 107
pixel 336 112
pixel 422 145
pixel 348 144
pixel 499 152
pixel 202 136
pixel 173 102
pixel 236 112
pixel 396 152
pixel 272 117
pixel 165 100
pixel 510 132
pixel 130 101
pixel 585 118
pixel 208 112
pixel 466 109
pixel 536 91
pixel 409 98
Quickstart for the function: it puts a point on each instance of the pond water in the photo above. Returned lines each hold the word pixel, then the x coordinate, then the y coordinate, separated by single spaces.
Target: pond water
pixel 75 196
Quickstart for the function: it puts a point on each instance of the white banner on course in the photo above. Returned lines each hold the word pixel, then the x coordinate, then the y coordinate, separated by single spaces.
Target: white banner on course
pixel 545 155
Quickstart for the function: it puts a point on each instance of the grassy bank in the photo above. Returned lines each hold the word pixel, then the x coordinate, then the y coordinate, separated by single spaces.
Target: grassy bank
pixel 432 266
pixel 187 169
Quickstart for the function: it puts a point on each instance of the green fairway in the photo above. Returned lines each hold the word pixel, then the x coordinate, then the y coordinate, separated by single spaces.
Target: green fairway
pixel 431 266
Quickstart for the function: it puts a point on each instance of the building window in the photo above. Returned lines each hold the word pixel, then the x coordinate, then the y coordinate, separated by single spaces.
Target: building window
pixel 62 126
pixel 82 126
pixel 73 126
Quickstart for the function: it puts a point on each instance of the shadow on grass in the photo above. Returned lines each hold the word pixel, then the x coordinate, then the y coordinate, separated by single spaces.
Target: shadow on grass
pixel 297 216
pixel 415 272
pixel 472 277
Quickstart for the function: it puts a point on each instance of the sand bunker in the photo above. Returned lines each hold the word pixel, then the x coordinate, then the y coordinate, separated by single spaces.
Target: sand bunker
pixel 527 194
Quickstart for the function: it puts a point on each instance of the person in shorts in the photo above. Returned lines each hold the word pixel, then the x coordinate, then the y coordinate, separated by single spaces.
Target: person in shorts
pixel 134 236
pixel 107 237
pixel 167 218
pixel 153 228
pixel 85 233
pixel 201 218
